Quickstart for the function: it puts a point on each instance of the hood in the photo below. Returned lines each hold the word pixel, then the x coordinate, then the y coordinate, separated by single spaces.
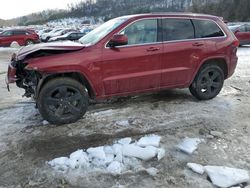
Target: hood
pixel 53 46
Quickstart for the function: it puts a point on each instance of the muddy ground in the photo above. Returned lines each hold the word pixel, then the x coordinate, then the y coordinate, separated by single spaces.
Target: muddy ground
pixel 26 144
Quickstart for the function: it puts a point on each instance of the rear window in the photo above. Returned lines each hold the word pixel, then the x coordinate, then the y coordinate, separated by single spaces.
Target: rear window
pixel 207 29
pixel 177 29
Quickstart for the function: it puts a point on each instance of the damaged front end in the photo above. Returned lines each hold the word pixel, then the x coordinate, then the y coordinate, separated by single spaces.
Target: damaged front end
pixel 19 71
pixel 24 78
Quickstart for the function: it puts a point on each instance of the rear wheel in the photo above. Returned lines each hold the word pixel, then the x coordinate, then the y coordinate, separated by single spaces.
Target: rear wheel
pixel 63 101
pixel 208 82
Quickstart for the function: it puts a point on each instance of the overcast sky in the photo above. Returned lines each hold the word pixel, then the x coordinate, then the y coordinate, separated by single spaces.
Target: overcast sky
pixel 15 8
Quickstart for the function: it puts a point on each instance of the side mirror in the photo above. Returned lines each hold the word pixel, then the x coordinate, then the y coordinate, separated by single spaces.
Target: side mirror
pixel 118 40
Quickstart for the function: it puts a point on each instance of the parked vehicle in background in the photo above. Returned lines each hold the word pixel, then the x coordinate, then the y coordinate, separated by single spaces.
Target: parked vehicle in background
pixel 126 56
pixel 46 36
pixel 86 30
pixel 21 36
pixel 72 36
pixel 43 31
pixel 58 32
pixel 242 32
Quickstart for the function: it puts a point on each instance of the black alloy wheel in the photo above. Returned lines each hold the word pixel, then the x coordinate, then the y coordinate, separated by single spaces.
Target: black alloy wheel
pixel 208 82
pixel 63 101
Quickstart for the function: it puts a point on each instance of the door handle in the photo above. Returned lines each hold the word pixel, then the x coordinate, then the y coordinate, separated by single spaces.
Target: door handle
pixel 198 44
pixel 153 49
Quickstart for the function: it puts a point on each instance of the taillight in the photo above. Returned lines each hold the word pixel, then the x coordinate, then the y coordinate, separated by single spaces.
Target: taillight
pixel 236 43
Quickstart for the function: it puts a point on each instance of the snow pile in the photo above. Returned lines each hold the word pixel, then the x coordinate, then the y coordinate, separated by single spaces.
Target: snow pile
pixel 196 168
pixel 226 177
pixel 115 159
pixel 189 145
pixel 14 45
pixel 222 176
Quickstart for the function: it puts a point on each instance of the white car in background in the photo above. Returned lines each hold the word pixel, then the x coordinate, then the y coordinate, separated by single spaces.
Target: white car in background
pixel 57 33
pixel 46 36
pixel 43 31
pixel 72 36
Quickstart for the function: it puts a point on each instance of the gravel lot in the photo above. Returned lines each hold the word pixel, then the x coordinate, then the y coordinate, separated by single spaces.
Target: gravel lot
pixel 26 144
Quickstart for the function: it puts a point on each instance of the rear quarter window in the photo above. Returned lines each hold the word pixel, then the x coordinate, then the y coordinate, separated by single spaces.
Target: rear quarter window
pixel 177 29
pixel 207 29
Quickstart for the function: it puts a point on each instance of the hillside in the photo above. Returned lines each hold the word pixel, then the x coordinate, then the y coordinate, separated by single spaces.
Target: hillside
pixel 7 22
pixel 237 10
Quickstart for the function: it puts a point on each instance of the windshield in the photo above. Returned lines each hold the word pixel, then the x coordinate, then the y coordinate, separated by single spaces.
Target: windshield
pixel 100 32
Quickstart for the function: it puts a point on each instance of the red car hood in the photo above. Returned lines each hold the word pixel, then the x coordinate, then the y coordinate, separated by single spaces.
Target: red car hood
pixel 65 46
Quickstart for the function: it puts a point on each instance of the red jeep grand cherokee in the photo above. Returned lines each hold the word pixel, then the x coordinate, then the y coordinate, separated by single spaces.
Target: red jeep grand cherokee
pixel 126 56
pixel 21 36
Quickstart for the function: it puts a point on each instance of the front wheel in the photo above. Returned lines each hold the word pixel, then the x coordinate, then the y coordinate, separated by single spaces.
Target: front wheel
pixel 63 101
pixel 207 83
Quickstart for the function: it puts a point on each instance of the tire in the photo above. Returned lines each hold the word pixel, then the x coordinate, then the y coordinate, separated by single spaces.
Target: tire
pixel 63 101
pixel 29 42
pixel 47 39
pixel 207 83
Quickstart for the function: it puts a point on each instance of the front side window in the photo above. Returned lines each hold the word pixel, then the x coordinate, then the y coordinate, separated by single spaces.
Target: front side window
pixel 7 33
pixel 207 29
pixel 177 29
pixel 141 32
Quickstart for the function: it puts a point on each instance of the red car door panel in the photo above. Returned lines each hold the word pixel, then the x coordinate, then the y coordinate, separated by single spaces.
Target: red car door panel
pixel 181 53
pixel 179 62
pixel 137 66
pixel 131 69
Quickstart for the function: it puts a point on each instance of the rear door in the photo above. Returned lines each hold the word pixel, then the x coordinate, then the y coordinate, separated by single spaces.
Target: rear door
pixel 136 66
pixel 20 37
pixel 182 52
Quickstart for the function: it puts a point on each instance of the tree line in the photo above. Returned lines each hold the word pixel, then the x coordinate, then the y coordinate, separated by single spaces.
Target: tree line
pixel 231 10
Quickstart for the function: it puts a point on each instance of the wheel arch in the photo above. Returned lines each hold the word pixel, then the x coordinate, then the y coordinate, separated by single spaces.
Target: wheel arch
pixel 75 75
pixel 219 61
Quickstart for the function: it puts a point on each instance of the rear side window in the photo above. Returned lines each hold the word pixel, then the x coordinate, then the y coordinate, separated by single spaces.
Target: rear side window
pixel 19 32
pixel 73 35
pixel 177 29
pixel 7 33
pixel 207 29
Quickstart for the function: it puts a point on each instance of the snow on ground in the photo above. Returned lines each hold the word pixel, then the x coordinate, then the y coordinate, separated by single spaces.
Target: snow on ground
pixel 27 142
pixel 7 49
pixel 115 159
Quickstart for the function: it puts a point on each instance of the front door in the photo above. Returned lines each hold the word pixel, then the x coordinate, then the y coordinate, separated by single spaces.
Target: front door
pixel 6 38
pixel 137 66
